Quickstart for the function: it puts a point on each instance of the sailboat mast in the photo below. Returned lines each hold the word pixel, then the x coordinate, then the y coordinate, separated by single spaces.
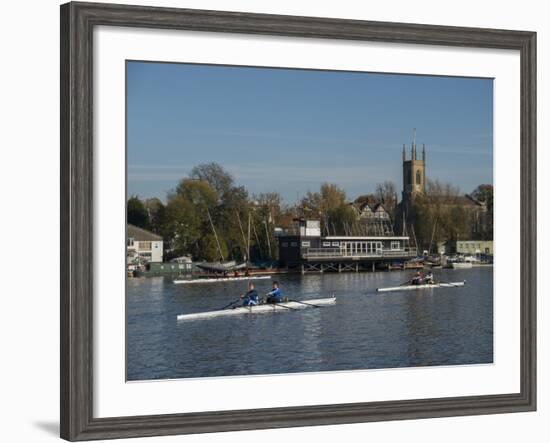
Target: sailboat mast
pixel 432 239
pixel 248 245
pixel 258 240
pixel 415 242
pixel 215 235
pixel 267 237
pixel 244 238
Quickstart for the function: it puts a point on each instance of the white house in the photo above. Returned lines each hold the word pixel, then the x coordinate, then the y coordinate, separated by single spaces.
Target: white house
pixel 143 244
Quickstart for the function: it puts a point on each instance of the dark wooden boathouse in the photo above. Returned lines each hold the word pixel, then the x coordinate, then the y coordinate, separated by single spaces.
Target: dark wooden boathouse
pixel 305 248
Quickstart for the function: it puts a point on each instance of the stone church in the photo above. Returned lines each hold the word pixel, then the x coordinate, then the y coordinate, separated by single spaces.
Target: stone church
pixel 414 186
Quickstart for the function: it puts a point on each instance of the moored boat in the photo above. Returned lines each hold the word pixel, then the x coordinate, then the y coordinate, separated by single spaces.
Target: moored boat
pixel 260 309
pixel 221 279
pixel 228 266
pixel 461 265
pixel 428 286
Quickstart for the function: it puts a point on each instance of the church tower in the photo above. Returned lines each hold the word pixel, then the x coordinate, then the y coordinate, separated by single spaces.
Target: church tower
pixel 414 172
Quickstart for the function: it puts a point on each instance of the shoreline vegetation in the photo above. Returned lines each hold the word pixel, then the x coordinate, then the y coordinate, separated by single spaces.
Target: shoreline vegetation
pixel 209 217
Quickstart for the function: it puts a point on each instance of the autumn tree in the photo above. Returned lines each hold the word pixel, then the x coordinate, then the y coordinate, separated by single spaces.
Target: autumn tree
pixel 387 195
pixel 484 194
pixel 331 207
pixel 215 175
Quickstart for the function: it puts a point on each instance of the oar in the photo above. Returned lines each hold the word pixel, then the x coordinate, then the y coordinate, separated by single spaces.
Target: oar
pixel 304 303
pixel 452 284
pixel 280 305
pixel 232 303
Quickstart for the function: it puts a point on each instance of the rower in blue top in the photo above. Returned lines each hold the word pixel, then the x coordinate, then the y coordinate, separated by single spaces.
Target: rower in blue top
pixel 275 295
pixel 251 297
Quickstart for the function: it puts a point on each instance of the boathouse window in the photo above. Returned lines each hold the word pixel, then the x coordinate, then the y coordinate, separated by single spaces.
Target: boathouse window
pixel 326 243
pixel 285 244
pixel 145 245
pixel 394 245
pixel 335 243
pixel 130 242
pixel 306 244
pixel 360 248
pixel 294 244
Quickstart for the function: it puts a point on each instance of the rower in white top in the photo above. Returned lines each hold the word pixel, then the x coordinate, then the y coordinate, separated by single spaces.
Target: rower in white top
pixel 420 279
pixel 429 278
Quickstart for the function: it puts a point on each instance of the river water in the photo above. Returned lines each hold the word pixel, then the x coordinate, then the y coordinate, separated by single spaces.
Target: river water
pixel 365 329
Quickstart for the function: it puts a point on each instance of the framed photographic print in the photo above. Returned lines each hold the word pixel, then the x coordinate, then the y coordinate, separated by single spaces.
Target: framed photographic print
pixel 273 221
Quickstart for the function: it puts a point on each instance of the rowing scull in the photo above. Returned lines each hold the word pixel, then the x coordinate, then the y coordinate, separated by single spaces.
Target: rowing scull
pixel 432 286
pixel 260 309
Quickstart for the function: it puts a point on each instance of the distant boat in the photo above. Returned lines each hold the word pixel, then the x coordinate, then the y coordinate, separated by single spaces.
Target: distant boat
pixel 425 286
pixel 221 279
pixel 461 265
pixel 227 266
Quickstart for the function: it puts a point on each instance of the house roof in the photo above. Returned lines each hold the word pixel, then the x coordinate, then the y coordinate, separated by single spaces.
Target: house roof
pixel 372 207
pixel 140 234
pixel 378 206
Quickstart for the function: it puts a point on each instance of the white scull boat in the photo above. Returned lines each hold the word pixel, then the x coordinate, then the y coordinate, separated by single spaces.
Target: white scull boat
pixel 260 309
pixel 412 287
pixel 221 279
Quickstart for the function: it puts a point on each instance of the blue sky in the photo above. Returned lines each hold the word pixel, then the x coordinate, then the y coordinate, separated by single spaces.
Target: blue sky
pixel 289 130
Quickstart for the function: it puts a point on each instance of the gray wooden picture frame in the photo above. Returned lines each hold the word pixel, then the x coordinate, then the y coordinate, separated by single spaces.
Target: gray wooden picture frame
pixel 77 23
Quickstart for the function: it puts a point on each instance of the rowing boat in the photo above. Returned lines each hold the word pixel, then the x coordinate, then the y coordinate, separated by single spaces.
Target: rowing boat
pixel 216 280
pixel 260 309
pixel 432 286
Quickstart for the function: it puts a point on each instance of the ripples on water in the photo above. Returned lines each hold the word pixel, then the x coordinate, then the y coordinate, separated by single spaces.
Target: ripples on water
pixel 365 329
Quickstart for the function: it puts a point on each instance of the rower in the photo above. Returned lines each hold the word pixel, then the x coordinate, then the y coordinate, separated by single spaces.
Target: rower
pixel 429 278
pixel 251 297
pixel 275 295
pixel 417 279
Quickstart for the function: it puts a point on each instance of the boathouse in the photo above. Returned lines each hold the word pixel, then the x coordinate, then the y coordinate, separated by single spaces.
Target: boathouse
pixel 305 248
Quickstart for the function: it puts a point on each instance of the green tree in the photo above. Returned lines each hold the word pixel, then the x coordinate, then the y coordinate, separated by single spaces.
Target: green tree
pixel 198 192
pixel 157 213
pixel 331 207
pixel 215 175
pixel 209 247
pixel 342 219
pixel 136 213
pixel 230 218
pixel 182 226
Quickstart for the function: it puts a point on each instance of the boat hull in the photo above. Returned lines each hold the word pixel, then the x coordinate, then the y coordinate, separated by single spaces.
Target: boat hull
pixel 416 287
pixel 221 267
pixel 462 265
pixel 221 279
pixel 259 309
